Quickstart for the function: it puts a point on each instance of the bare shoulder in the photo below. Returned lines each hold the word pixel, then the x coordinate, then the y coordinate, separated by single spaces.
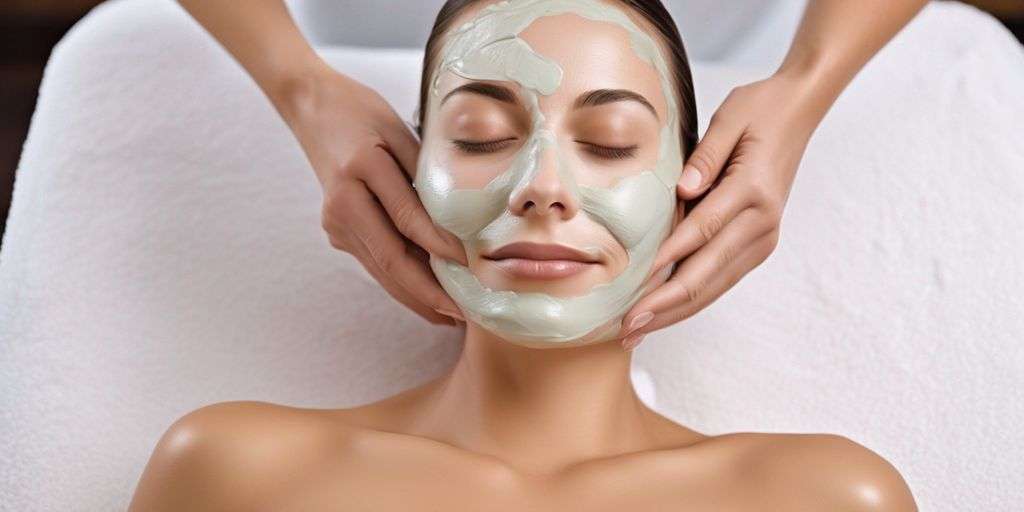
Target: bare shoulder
pixel 230 455
pixel 822 472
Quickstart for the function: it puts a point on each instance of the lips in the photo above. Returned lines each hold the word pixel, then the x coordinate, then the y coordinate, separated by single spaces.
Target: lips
pixel 531 260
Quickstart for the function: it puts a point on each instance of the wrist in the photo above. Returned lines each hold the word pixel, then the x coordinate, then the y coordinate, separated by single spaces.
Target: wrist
pixel 292 91
pixel 813 81
pixel 294 94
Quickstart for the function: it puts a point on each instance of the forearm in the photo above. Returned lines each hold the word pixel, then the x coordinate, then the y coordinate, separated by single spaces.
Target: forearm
pixel 836 38
pixel 262 36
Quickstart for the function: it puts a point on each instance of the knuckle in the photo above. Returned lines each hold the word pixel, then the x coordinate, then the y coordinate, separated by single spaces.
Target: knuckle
pixel 773 213
pixel 760 192
pixel 704 157
pixel 354 163
pixel 386 263
pixel 766 197
pixel 337 243
pixel 335 204
pixel 329 223
pixel 710 225
pixel 326 223
pixel 405 216
pixel 772 243
pixel 348 168
pixel 679 315
pixel 726 256
pixel 382 257
pixel 696 292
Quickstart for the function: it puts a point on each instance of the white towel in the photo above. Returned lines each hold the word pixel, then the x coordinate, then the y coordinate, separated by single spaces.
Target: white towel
pixel 164 252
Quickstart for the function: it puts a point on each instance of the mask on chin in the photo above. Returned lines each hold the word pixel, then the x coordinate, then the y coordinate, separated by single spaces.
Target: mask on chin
pixel 638 210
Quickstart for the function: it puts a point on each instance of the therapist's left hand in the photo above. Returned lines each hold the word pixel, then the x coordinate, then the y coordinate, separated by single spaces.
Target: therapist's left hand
pixel 748 159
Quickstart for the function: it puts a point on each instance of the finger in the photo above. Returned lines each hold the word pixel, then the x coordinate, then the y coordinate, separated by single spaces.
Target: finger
pixel 720 283
pixel 716 285
pixel 406 210
pixel 695 281
pixel 368 220
pixel 402 144
pixel 712 214
pixel 397 292
pixel 709 157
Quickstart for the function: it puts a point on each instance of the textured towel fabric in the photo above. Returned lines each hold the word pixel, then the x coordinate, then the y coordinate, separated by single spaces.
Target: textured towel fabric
pixel 164 252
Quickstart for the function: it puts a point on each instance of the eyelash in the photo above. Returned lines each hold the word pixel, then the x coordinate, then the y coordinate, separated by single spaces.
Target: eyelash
pixel 491 146
pixel 611 153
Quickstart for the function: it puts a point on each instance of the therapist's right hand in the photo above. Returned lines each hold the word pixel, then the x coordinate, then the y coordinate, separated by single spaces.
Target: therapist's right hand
pixel 365 158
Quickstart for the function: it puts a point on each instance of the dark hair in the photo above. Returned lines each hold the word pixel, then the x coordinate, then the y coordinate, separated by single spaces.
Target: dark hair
pixel 653 10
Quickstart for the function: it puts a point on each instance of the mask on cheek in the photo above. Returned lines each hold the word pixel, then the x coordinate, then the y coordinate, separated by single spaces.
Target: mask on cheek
pixel 637 210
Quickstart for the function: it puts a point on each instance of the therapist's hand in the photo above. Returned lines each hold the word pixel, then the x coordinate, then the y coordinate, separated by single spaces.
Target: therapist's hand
pixel 746 164
pixel 365 158
pixel 750 154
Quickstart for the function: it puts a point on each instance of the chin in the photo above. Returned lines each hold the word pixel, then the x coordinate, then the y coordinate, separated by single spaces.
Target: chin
pixel 592 338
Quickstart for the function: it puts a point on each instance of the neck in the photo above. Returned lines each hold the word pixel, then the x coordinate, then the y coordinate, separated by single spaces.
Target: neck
pixel 537 408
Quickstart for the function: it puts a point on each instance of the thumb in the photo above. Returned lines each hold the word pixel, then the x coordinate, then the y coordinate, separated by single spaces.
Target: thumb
pixel 709 158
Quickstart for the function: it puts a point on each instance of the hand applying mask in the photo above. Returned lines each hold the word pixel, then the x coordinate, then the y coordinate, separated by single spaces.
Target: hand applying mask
pixel 362 153
pixel 749 157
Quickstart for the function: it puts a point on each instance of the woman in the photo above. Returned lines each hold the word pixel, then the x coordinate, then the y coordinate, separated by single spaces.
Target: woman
pixel 742 170
pixel 563 108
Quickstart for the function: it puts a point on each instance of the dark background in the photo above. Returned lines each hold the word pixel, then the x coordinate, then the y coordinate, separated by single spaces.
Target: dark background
pixel 30 28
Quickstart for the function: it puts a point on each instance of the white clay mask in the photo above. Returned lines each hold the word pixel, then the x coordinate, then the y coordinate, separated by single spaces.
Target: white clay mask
pixel 637 209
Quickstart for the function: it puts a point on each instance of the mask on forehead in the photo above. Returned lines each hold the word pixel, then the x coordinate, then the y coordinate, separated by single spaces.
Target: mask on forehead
pixel 637 210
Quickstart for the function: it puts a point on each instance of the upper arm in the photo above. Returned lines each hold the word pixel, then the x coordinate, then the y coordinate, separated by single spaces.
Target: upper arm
pixel 213 458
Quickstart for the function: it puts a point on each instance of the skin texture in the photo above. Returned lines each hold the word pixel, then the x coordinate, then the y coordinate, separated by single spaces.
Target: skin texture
pixel 509 427
pixel 745 164
pixel 312 459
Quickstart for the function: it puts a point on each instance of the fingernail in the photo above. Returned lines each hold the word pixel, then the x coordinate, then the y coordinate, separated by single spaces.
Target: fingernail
pixel 691 178
pixel 639 321
pixel 632 341
pixel 453 314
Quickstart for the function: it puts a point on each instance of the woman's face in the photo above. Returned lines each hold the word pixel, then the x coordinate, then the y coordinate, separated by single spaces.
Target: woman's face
pixel 544 157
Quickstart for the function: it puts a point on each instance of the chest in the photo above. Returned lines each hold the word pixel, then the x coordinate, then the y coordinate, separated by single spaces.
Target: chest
pixel 453 486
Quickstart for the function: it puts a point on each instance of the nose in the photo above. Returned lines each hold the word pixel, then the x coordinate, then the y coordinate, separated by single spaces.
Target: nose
pixel 548 193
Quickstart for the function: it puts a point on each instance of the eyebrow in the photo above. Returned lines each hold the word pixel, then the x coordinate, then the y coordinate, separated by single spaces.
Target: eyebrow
pixel 593 98
pixel 498 92
pixel 605 96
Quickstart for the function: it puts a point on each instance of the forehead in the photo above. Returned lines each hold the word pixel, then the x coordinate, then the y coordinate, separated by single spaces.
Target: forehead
pixel 592 54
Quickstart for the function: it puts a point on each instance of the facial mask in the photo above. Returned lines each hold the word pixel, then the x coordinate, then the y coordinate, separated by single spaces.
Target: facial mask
pixel 637 210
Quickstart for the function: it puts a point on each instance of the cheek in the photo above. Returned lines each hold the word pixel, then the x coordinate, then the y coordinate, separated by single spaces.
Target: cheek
pixel 472 172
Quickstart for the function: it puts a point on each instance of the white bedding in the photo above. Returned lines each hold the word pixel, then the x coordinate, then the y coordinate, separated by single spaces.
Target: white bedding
pixel 164 252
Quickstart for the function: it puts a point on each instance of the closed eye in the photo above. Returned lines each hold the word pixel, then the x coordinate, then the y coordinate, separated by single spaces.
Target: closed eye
pixel 480 147
pixel 609 152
